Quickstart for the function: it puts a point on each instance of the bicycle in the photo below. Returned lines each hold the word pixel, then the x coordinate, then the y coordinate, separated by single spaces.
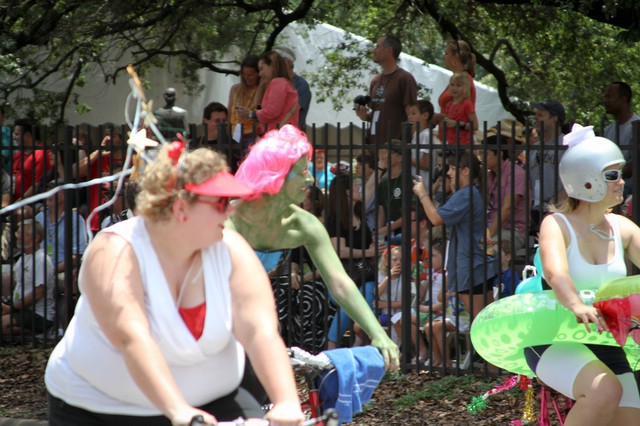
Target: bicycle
pixel 310 367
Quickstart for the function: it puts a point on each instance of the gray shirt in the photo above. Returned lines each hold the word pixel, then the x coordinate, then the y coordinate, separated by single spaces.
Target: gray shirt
pixel 624 135
pixel 543 172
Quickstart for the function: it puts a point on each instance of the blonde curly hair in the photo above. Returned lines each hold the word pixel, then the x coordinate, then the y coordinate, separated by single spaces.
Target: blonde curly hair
pixel 163 182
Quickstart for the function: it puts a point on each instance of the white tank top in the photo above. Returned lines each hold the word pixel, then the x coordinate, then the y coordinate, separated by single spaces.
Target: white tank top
pixel 86 371
pixel 587 275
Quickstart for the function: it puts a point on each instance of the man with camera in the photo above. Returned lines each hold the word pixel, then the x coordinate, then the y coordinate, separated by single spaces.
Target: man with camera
pixel 390 93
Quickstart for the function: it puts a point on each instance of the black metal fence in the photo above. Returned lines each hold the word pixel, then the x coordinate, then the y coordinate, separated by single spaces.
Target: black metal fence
pixel 75 156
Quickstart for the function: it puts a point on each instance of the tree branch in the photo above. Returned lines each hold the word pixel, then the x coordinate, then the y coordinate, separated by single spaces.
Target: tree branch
pixel 67 93
pixel 625 15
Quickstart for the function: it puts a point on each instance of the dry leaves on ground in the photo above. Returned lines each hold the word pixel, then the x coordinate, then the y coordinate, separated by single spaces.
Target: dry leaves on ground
pixel 416 398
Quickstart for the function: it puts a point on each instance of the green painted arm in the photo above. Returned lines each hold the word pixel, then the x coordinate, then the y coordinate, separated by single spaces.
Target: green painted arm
pixel 318 244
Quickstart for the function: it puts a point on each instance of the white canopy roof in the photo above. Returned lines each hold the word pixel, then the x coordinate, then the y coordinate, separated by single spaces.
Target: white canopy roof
pixel 107 100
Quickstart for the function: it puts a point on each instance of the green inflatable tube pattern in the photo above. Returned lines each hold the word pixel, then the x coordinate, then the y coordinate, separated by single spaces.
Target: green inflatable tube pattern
pixel 504 328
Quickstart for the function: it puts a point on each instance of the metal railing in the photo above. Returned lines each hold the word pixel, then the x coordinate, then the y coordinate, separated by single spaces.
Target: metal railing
pixel 306 314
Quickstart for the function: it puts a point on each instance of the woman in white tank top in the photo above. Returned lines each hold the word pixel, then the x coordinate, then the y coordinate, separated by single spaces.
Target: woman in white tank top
pixel 170 301
pixel 582 245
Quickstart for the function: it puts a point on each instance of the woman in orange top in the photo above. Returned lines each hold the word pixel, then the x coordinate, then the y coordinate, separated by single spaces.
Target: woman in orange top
pixel 245 94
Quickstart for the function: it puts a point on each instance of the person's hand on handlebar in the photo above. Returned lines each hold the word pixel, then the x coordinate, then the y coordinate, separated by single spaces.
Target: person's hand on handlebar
pixel 389 351
pixel 184 417
pixel 285 414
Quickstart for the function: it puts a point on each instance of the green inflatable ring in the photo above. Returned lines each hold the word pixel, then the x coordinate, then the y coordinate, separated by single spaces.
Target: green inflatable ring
pixel 504 328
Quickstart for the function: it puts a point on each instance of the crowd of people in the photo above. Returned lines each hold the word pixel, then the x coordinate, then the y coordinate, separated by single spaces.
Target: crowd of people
pixel 333 230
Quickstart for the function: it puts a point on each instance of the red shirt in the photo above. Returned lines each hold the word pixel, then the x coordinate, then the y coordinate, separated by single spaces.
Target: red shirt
pixel 459 112
pixel 23 168
pixel 98 168
pixel 194 318
pixel 424 260
pixel 445 98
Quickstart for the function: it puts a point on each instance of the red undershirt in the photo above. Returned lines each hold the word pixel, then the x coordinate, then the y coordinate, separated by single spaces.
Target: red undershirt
pixel 194 318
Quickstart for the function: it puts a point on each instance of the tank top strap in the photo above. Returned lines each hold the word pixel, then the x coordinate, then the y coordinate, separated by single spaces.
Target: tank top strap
pixel 615 227
pixel 569 226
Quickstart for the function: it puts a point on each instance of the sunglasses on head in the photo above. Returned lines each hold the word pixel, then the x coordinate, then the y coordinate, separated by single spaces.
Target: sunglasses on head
pixel 221 205
pixel 612 175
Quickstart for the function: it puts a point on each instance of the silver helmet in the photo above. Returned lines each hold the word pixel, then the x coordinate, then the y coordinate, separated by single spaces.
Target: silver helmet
pixel 582 164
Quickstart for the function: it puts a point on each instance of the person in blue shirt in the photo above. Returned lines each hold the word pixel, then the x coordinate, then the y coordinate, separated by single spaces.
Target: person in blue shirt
pixel 320 170
pixel 53 222
pixel 463 215
pixel 509 278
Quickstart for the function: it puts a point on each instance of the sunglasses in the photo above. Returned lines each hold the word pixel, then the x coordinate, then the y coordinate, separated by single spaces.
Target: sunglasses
pixel 612 175
pixel 221 205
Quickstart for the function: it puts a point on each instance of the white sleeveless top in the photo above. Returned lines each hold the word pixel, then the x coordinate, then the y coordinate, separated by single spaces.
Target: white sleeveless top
pixel 587 275
pixel 86 371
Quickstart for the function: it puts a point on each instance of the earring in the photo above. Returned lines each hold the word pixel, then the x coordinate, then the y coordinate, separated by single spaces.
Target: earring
pixel 183 218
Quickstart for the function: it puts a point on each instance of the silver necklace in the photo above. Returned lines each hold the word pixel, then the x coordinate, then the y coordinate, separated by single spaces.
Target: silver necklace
pixel 600 233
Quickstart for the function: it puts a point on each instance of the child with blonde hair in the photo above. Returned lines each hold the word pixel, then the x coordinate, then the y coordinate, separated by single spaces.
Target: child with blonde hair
pixel 460 113
pixel 432 306
pixel 390 284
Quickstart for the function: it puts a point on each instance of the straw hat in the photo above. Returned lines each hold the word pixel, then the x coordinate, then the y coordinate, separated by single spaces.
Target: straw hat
pixel 508 129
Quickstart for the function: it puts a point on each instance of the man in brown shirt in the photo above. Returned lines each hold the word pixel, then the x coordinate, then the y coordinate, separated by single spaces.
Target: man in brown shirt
pixel 391 92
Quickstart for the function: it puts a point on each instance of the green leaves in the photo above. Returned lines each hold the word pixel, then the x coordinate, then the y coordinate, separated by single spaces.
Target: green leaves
pixel 530 50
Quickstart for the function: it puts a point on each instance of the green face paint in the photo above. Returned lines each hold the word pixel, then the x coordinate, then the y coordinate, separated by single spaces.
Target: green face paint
pixel 294 187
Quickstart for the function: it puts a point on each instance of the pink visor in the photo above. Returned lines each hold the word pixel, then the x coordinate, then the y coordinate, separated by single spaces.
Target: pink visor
pixel 223 184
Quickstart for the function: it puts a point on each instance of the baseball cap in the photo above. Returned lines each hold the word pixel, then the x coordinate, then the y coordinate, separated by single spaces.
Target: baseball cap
pixel 285 52
pixel 222 184
pixel 554 108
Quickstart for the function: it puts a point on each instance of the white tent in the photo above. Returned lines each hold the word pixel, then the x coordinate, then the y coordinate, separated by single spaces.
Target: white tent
pixel 107 100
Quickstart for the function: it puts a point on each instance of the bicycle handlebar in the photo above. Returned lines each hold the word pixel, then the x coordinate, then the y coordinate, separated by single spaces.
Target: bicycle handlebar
pixel 330 418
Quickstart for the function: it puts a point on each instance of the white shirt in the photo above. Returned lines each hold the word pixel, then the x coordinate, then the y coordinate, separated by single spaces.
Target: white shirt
pixel 86 371
pixel 425 140
pixel 586 275
pixel 38 271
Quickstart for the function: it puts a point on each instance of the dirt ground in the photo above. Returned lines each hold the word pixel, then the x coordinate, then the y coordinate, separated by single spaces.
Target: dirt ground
pixel 412 399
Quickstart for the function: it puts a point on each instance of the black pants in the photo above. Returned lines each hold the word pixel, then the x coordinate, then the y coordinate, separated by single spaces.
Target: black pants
pixel 228 408
pixel 251 383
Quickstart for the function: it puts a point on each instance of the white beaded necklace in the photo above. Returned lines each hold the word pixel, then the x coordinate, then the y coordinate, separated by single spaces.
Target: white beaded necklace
pixel 185 284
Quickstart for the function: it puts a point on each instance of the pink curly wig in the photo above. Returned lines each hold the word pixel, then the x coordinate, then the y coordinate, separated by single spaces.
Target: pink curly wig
pixel 271 158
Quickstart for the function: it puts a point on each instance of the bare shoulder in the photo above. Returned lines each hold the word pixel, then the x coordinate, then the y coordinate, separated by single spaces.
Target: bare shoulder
pixel 622 220
pixel 110 267
pixel 108 247
pixel 627 227
pixel 553 221
pixel 234 240
pixel 306 220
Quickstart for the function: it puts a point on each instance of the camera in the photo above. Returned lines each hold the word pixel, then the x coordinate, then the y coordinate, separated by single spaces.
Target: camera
pixel 362 100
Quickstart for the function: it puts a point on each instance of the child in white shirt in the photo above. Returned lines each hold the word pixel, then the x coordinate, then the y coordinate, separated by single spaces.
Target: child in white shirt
pixel 420 114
